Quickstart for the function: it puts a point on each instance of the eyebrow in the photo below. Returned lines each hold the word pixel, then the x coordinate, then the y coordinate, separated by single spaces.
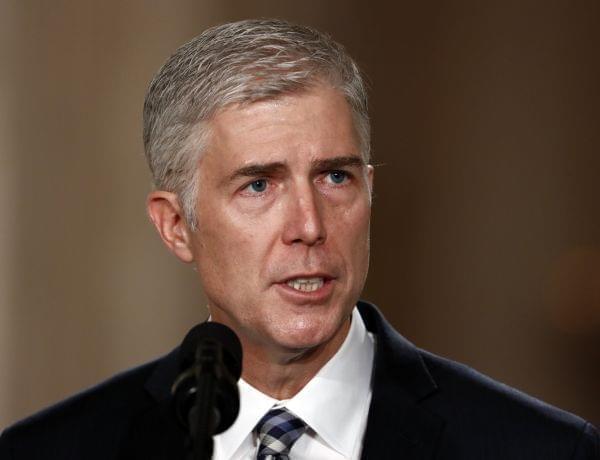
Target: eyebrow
pixel 268 169
pixel 258 169
pixel 339 162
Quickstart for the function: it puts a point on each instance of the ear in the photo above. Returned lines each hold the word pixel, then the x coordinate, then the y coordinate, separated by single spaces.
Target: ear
pixel 168 218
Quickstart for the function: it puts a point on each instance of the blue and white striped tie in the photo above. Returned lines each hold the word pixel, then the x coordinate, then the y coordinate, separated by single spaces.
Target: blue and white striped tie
pixel 277 431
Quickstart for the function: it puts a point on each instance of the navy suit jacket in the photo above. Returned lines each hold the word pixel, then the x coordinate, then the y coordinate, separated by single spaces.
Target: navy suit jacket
pixel 423 407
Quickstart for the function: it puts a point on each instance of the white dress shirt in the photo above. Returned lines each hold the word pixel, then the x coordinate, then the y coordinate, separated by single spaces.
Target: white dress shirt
pixel 334 404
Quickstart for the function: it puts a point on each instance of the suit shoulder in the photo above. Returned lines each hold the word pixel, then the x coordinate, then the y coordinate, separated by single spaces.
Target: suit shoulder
pixel 461 382
pixel 481 404
pixel 104 409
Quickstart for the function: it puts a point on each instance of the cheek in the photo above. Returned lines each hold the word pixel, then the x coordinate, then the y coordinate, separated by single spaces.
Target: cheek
pixel 232 248
pixel 352 228
pixel 352 223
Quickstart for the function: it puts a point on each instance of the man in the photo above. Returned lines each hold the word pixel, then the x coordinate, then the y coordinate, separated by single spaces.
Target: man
pixel 257 136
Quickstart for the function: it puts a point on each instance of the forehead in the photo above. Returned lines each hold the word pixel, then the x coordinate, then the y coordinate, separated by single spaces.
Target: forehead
pixel 305 125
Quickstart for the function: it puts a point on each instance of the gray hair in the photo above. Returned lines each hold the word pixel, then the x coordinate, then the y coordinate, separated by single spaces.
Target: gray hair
pixel 237 63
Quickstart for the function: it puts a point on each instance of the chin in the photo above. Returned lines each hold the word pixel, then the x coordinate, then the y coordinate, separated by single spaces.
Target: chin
pixel 306 334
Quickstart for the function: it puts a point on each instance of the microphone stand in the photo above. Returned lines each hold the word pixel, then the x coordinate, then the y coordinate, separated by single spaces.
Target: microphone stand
pixel 205 394
pixel 203 417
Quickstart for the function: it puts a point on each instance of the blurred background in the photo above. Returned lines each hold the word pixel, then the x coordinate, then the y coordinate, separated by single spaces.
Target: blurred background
pixel 486 229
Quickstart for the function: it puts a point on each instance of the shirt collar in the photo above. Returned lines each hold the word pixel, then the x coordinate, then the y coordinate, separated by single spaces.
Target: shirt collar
pixel 253 405
pixel 339 391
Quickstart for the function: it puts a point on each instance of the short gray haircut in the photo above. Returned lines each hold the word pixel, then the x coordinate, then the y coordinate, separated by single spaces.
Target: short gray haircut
pixel 237 63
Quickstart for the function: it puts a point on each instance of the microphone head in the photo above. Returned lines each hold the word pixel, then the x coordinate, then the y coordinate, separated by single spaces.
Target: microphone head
pixel 222 345
pixel 213 332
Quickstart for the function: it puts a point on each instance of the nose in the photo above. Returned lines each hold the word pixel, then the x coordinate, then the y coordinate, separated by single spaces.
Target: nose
pixel 304 222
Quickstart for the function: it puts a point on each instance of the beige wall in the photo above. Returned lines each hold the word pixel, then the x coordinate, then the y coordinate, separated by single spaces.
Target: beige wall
pixel 486 238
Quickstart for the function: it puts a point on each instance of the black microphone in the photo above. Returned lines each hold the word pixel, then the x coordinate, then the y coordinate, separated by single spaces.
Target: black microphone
pixel 205 393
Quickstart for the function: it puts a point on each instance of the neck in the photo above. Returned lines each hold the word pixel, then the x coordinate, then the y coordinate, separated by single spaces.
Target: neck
pixel 281 374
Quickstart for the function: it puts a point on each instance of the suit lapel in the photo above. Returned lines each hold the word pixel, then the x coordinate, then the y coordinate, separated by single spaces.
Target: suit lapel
pixel 398 427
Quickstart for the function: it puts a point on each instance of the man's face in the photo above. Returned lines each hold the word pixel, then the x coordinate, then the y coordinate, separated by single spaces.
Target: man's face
pixel 282 244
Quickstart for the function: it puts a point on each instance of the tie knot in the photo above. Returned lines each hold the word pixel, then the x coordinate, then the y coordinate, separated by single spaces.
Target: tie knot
pixel 278 430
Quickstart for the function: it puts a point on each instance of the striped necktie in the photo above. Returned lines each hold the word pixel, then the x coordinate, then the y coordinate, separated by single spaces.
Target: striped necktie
pixel 277 431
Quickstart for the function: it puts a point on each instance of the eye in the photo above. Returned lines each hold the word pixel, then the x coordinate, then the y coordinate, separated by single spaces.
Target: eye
pixel 258 186
pixel 338 177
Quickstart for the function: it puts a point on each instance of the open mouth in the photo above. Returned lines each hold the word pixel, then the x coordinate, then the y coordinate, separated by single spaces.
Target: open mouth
pixel 306 284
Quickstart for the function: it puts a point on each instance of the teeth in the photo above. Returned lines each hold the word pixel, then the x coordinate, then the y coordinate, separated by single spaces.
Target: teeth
pixel 305 284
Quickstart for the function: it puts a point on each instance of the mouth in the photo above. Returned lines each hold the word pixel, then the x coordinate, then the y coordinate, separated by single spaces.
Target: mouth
pixel 307 288
pixel 306 284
